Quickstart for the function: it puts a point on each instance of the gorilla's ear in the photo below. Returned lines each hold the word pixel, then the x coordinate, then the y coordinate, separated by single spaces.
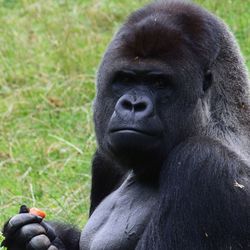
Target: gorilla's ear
pixel 208 79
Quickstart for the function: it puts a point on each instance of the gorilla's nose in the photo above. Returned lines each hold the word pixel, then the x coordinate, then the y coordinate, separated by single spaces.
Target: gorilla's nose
pixel 139 106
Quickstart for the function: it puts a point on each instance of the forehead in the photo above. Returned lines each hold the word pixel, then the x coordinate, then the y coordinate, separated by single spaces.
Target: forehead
pixel 163 32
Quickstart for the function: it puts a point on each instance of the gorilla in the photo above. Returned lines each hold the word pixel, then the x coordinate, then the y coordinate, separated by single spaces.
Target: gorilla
pixel 172 121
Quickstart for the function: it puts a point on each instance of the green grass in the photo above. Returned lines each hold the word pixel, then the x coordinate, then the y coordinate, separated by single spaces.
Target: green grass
pixel 49 53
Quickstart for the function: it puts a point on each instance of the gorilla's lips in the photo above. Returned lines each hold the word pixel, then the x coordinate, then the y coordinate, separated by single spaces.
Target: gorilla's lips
pixel 133 130
pixel 133 140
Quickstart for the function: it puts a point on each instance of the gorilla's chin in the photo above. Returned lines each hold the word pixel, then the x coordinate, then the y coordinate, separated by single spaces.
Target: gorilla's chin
pixel 134 148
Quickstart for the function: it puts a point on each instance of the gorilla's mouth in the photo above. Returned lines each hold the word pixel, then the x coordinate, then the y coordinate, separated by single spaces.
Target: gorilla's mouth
pixel 133 140
pixel 133 131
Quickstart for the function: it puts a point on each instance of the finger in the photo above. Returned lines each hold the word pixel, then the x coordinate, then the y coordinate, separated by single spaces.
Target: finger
pixel 40 242
pixel 29 231
pixel 18 221
pixel 50 232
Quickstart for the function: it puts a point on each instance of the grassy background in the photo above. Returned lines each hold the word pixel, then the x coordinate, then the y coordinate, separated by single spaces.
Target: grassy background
pixel 49 53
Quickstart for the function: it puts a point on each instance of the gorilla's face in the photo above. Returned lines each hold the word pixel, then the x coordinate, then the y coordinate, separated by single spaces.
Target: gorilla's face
pixel 144 113
pixel 148 96
pixel 135 127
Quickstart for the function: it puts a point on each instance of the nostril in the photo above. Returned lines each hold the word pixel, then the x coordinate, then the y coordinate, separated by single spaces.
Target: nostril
pixel 137 106
pixel 141 106
pixel 127 105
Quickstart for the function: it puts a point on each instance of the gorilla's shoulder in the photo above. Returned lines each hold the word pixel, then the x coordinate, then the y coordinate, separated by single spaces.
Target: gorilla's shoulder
pixel 203 148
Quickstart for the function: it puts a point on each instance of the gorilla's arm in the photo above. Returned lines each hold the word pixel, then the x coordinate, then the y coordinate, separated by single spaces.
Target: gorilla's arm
pixel 205 200
pixel 106 176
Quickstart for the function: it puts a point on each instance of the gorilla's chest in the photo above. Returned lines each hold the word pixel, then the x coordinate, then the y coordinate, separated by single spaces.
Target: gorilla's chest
pixel 119 221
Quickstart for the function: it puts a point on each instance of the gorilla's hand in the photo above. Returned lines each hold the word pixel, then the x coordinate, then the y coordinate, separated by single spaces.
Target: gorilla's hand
pixel 26 231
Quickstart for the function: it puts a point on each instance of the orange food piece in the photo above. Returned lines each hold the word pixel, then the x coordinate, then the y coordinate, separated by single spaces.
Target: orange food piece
pixel 37 212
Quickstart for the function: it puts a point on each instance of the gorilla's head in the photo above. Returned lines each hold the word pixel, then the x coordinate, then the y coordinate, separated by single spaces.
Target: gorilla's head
pixel 166 76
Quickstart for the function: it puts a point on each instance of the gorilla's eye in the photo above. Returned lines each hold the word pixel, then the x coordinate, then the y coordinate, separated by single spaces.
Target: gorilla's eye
pixel 159 84
pixel 123 81
pixel 124 76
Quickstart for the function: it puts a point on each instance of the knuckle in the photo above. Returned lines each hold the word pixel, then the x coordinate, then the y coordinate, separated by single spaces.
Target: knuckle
pixel 15 220
pixel 40 242
pixel 29 230
pixel 52 248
